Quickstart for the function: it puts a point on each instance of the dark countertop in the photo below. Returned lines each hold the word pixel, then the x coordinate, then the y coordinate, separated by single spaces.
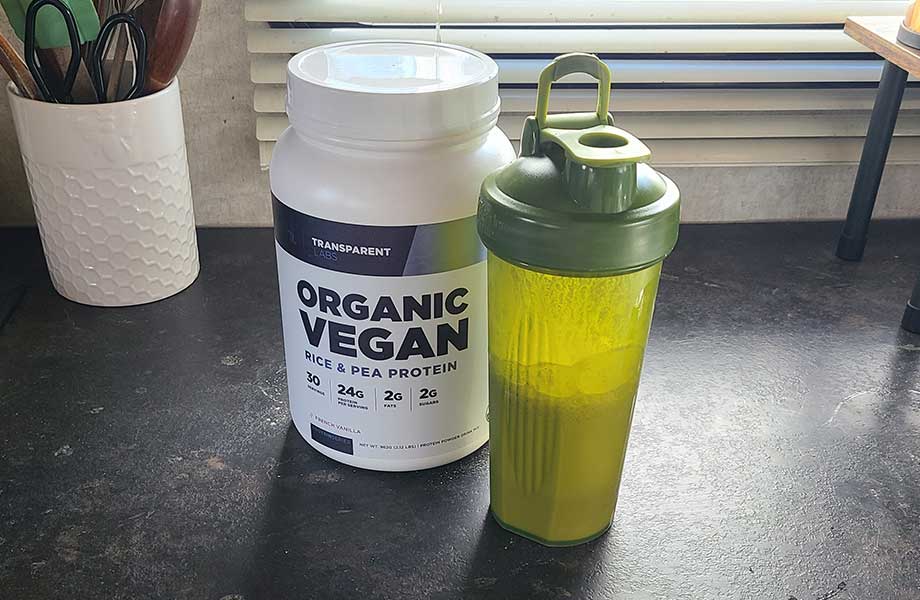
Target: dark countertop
pixel 147 452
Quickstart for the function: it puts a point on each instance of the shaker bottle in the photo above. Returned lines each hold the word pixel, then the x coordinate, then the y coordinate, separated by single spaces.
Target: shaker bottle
pixel 576 228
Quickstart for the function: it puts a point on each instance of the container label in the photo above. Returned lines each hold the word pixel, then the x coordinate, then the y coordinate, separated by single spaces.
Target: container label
pixel 374 250
pixel 385 335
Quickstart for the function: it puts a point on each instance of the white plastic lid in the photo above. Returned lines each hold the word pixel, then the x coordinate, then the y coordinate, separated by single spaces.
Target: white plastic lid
pixel 385 90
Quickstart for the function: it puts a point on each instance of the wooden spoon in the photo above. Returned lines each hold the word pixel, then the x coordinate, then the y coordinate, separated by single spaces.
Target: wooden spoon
pixel 16 68
pixel 170 27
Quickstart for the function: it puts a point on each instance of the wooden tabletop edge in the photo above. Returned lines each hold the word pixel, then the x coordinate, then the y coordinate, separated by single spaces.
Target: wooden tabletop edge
pixel 879 34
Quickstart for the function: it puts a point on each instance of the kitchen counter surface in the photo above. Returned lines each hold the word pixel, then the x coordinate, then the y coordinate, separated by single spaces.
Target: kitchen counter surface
pixel 147 452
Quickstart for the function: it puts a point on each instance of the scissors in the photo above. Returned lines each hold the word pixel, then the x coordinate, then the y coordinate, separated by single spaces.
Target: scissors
pixel 99 49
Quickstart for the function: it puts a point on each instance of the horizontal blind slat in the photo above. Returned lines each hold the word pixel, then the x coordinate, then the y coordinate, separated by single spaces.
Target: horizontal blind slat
pixel 740 125
pixel 740 152
pixel 679 125
pixel 265 69
pixel 271 99
pixel 524 101
pixel 268 68
pixel 627 41
pixel 777 151
pixel 582 11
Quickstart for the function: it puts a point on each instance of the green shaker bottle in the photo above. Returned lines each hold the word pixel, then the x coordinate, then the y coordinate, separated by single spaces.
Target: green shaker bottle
pixel 577 228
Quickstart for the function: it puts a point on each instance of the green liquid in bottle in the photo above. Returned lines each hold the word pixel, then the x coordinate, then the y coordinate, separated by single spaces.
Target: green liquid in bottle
pixel 565 359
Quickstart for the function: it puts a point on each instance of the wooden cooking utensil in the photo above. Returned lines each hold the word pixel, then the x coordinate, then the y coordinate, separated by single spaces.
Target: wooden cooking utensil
pixel 17 70
pixel 170 27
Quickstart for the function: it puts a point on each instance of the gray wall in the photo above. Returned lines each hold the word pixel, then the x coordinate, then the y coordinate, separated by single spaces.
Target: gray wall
pixel 231 190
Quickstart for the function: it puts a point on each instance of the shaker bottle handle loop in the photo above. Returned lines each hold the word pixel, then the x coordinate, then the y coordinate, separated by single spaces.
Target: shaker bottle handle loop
pixel 567 64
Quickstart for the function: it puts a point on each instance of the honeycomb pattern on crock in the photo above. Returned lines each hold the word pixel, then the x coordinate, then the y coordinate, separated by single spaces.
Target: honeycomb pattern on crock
pixel 117 236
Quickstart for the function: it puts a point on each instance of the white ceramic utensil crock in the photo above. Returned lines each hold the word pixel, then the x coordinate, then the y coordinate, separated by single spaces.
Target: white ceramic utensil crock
pixel 112 197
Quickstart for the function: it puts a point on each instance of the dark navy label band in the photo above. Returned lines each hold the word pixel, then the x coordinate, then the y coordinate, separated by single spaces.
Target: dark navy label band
pixel 332 440
pixel 377 250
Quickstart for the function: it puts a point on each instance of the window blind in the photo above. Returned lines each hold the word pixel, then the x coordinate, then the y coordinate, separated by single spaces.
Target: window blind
pixel 703 81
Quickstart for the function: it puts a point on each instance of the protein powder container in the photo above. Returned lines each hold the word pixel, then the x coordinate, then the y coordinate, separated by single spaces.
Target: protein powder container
pixel 382 275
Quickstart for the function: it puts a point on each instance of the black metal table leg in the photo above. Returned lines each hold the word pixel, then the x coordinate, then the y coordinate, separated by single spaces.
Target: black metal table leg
pixel 872 163
pixel 911 320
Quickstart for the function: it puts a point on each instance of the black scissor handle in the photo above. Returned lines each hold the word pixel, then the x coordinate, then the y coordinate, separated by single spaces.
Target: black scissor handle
pixel 100 49
pixel 32 60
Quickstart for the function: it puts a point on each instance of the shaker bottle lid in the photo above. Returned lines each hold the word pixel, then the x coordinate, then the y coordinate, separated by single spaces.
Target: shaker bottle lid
pixel 579 199
pixel 392 90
